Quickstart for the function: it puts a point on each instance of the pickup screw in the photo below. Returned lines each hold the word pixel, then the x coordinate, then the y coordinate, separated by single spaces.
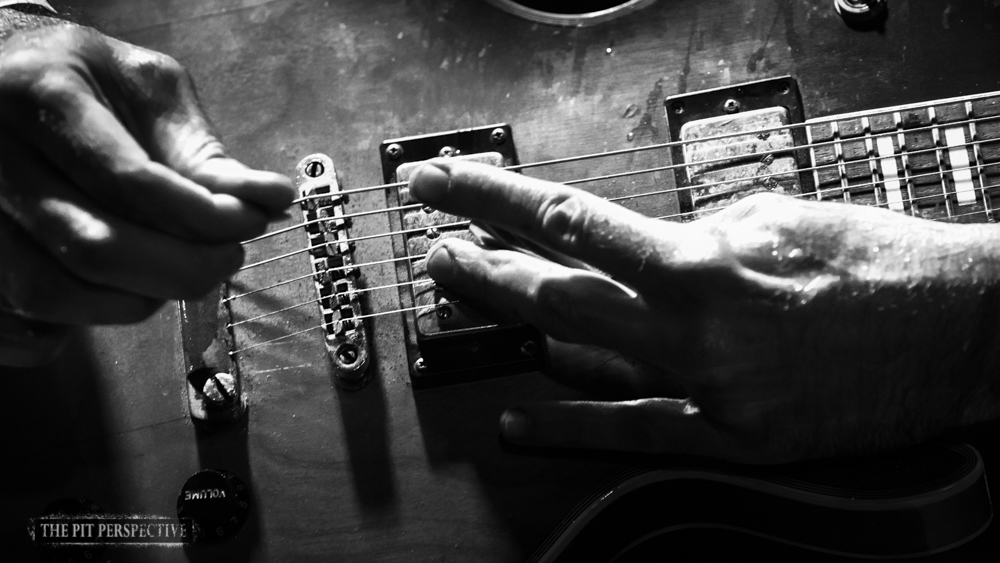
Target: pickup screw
pixel 731 106
pixel 420 365
pixel 498 136
pixel 529 348
pixel 448 151
pixel 443 312
pixel 219 389
pixel 678 107
pixel 433 233
pixel 394 151
pixel 314 169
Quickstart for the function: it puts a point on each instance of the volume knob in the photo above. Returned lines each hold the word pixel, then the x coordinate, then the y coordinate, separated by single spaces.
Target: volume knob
pixel 216 502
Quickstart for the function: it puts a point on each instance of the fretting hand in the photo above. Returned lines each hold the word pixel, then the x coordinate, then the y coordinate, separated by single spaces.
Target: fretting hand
pixel 115 195
pixel 775 330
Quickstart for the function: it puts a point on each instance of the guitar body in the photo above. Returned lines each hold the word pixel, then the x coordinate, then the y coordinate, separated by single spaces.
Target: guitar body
pixel 388 473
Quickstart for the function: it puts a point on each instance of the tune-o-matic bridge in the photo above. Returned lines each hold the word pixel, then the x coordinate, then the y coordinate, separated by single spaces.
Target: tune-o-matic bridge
pixel 335 276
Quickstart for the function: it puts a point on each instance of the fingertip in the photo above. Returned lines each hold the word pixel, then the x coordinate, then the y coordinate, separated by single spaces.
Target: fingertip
pixel 515 425
pixel 440 262
pixel 270 191
pixel 431 182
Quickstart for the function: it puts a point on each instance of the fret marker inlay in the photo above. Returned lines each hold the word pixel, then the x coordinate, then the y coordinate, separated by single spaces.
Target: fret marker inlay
pixel 958 154
pixel 890 172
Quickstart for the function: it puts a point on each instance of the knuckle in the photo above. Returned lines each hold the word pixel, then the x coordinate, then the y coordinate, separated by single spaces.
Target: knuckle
pixel 155 75
pixel 552 308
pixel 564 219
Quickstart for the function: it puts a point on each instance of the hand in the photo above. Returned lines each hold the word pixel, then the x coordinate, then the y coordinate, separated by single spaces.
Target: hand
pixel 115 194
pixel 775 330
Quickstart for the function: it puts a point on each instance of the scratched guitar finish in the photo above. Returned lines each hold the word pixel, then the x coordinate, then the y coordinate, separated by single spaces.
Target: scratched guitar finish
pixel 390 474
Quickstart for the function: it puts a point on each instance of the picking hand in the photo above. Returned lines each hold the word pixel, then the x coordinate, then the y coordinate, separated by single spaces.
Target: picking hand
pixel 775 330
pixel 115 195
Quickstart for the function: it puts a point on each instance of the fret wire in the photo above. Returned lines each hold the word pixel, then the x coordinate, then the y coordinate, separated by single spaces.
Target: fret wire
pixel 936 137
pixel 619 152
pixel 872 163
pixel 904 157
pixel 974 137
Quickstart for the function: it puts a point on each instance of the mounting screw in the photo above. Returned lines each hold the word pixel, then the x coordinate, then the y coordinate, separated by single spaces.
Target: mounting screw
pixel 219 389
pixel 314 169
pixel 448 151
pixel 443 312
pixel 678 107
pixel 498 136
pixel 420 365
pixel 529 348
pixel 347 354
pixel 784 88
pixel 433 233
pixel 394 151
pixel 731 106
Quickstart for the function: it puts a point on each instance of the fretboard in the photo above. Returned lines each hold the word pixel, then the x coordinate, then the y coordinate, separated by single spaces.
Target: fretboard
pixel 937 160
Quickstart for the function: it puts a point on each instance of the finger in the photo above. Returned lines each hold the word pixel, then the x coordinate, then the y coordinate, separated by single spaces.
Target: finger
pixel 86 141
pixel 99 247
pixel 609 374
pixel 170 124
pixel 641 426
pixel 34 286
pixel 625 244
pixel 568 304
pixel 27 343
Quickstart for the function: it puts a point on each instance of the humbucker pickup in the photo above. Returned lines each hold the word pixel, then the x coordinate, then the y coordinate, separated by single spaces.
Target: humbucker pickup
pixel 449 339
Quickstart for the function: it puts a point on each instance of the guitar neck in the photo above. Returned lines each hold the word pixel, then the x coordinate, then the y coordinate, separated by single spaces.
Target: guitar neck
pixel 937 160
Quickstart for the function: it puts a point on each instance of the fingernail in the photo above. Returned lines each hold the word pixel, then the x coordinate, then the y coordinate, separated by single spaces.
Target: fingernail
pixel 514 425
pixel 439 262
pixel 429 184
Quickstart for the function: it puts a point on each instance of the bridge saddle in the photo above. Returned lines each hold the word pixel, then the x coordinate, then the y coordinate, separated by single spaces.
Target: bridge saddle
pixel 335 276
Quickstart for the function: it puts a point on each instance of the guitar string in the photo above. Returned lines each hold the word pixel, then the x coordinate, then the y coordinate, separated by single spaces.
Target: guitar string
pixel 331 323
pixel 671 144
pixel 332 296
pixel 868 160
pixel 873 184
pixel 719 160
pixel 326 271
pixel 350 240
pixel 818 195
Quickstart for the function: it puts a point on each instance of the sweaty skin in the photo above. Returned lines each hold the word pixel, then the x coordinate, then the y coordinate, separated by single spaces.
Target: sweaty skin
pixel 115 195
pixel 772 331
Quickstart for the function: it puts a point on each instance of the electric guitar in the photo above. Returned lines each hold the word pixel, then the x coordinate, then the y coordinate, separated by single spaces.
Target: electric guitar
pixel 352 405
